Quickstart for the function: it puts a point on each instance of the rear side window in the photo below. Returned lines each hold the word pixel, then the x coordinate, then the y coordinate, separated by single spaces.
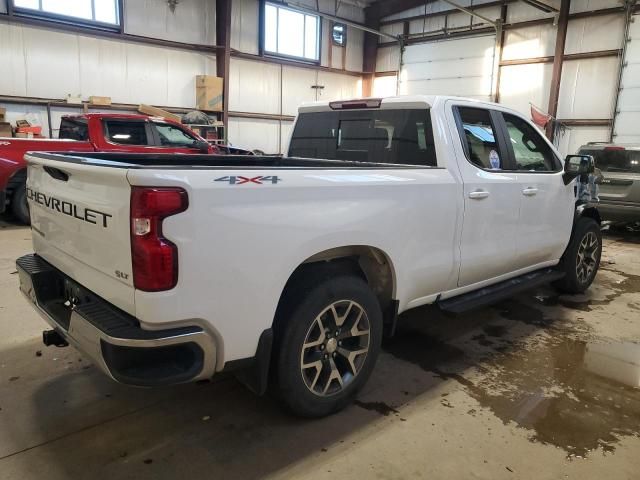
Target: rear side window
pixel 480 138
pixel 126 132
pixel 172 136
pixel 73 129
pixel 615 159
pixel 382 136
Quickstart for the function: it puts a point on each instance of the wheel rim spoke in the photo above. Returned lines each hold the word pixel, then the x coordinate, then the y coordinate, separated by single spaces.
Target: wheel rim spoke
pixel 587 256
pixel 335 348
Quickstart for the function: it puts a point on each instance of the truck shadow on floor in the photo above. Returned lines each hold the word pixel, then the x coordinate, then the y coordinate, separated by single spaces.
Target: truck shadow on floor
pixel 521 361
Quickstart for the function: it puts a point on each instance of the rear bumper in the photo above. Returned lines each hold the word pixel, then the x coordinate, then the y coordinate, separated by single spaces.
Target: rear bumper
pixel 112 338
pixel 618 211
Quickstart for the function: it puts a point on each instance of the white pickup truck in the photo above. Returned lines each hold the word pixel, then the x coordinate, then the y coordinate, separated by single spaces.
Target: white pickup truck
pixel 288 269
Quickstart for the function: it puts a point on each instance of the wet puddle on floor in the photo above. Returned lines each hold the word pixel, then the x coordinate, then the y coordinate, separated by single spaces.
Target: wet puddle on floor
pixel 576 395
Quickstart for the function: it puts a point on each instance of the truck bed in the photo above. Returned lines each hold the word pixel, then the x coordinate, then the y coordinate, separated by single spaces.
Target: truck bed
pixel 209 162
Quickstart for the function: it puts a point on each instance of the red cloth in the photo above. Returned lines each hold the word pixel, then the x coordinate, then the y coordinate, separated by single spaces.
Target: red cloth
pixel 539 118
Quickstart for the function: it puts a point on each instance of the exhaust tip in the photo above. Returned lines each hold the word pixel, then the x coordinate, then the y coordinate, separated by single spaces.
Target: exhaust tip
pixel 52 337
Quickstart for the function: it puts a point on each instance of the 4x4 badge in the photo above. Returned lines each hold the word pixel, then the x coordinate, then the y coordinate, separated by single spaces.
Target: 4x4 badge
pixel 240 180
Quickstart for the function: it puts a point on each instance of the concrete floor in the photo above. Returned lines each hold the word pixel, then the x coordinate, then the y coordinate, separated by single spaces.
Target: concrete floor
pixel 498 393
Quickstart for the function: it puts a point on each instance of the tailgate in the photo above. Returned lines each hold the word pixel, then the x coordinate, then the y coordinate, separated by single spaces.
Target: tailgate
pixel 620 187
pixel 80 224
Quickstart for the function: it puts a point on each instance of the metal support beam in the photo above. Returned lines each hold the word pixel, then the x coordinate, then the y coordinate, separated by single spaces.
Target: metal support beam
pixel 561 37
pixel 499 47
pixel 369 53
pixel 223 57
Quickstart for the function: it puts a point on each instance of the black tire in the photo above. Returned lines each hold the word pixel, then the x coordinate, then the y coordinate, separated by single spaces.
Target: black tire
pixel 573 282
pixel 19 205
pixel 301 312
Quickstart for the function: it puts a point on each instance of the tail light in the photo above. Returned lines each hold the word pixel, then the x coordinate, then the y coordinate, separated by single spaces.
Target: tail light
pixel 155 259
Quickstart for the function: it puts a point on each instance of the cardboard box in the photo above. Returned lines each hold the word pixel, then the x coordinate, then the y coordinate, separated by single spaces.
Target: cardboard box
pixel 22 123
pixel 5 129
pixel 209 93
pixel 3 111
pixel 24 135
pixel 158 112
pixel 74 99
pixel 95 100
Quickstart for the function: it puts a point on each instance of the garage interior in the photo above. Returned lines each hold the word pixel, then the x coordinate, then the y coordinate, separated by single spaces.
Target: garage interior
pixel 507 391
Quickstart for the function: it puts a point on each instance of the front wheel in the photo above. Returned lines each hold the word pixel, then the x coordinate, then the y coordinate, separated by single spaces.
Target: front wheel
pixel 581 260
pixel 328 346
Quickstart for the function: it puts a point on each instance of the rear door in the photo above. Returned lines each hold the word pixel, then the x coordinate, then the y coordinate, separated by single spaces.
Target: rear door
pixel 546 203
pixel 491 202
pixel 80 224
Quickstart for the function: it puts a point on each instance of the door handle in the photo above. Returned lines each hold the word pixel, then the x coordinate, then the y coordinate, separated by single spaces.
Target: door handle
pixel 478 194
pixel 530 191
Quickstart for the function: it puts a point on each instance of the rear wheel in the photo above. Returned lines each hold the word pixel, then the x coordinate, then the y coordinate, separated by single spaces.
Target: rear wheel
pixel 328 345
pixel 581 260
pixel 19 206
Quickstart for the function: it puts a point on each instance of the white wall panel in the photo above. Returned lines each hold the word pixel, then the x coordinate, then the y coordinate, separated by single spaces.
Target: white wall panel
pixel 51 59
pixel 13 79
pixel 355 46
pixel 3 6
pixel 297 83
pixel 387 59
pixel 458 20
pixel 627 122
pixel 254 134
pixel 521 85
pixel 193 21
pixel 245 26
pixel 587 88
pixel 492 13
pixel 528 42
pixel 603 32
pixel 588 5
pixel 461 67
pixel 431 24
pixel 49 64
pixel 433 7
pixel 338 87
pixel 521 12
pixel 254 86
pixel 575 137
pixel 394 29
pixel 385 86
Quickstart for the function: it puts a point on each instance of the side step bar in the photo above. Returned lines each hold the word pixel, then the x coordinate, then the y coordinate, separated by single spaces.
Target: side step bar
pixel 499 291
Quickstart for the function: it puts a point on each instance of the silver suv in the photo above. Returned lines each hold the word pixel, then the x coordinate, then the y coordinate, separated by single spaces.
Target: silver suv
pixel 620 186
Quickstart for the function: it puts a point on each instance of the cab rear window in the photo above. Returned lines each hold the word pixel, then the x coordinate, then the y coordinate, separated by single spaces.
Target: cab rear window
pixel 615 160
pixel 381 136
pixel 73 129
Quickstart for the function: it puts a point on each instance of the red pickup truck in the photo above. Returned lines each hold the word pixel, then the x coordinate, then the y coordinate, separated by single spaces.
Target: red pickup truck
pixel 92 132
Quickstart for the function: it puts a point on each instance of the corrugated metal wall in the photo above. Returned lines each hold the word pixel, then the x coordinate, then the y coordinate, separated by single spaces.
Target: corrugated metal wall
pixel 46 63
pixel 460 66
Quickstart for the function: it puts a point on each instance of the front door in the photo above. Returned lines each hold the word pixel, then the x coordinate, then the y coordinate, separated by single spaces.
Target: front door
pixel 491 202
pixel 546 203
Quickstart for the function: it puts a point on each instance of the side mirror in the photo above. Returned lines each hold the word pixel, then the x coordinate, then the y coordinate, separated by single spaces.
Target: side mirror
pixel 202 146
pixel 577 165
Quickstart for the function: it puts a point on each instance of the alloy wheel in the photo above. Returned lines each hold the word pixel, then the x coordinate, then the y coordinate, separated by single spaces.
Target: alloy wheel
pixel 587 257
pixel 335 348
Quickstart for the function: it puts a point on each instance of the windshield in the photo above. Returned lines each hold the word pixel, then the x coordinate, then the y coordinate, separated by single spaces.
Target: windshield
pixel 381 136
pixel 612 160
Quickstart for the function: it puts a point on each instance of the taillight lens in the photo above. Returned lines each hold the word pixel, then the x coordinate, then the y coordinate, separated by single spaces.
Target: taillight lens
pixel 155 259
